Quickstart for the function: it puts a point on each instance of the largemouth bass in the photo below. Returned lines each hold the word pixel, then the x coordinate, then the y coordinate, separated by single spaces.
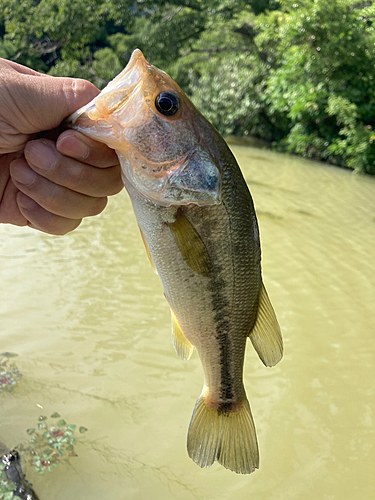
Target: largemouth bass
pixel 198 223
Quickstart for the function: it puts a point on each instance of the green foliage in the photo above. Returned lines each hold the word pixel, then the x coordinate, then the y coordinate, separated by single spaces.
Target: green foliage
pixel 298 73
pixel 321 79
pixel 6 487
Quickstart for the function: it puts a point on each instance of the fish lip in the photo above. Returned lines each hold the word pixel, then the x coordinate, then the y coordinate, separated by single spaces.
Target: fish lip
pixel 129 77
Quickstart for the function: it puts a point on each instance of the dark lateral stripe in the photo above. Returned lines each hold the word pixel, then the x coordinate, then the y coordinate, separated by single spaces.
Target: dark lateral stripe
pixel 221 309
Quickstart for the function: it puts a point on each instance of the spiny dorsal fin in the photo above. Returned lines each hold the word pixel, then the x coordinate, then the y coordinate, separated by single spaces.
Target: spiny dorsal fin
pixel 190 244
pixel 183 346
pixel 266 335
pixel 148 252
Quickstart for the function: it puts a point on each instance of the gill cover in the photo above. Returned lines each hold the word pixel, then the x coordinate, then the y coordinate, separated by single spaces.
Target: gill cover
pixel 161 152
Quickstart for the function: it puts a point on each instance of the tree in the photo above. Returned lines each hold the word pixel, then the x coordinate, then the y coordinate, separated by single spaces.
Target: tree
pixel 298 73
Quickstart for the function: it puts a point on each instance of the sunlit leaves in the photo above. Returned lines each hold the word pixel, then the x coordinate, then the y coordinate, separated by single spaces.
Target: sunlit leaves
pixel 322 59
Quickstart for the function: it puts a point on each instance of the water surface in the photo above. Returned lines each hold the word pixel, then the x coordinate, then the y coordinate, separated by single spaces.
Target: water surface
pixel 89 322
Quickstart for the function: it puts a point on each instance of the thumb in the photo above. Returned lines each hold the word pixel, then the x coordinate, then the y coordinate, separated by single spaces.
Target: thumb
pixel 44 101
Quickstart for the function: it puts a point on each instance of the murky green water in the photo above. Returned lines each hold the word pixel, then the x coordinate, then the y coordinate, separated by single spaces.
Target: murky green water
pixel 89 321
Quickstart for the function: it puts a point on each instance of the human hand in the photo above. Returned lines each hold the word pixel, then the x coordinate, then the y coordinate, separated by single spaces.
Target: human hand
pixel 45 184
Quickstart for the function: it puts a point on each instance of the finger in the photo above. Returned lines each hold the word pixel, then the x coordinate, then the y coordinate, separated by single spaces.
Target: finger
pixel 41 219
pixel 78 146
pixel 42 103
pixel 52 197
pixel 45 160
pixel 9 211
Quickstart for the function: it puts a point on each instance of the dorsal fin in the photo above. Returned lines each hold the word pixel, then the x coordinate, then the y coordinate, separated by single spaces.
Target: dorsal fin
pixel 182 345
pixel 266 335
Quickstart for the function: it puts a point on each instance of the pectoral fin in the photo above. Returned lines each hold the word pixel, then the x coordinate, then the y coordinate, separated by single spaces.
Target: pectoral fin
pixel 190 244
pixel 266 335
pixel 183 347
pixel 148 252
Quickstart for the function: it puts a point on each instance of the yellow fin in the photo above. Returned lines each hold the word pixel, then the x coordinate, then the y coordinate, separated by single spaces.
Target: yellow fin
pixel 190 244
pixel 182 345
pixel 266 335
pixel 226 437
pixel 148 252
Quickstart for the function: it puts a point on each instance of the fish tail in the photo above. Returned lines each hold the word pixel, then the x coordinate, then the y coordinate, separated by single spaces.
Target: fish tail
pixel 227 437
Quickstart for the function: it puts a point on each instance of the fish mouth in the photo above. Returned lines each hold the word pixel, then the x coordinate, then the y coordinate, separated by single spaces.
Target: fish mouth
pixel 92 119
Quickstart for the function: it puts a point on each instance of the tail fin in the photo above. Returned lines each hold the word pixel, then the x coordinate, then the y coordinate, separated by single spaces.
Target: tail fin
pixel 226 437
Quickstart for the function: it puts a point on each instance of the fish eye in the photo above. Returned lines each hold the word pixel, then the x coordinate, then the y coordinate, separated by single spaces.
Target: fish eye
pixel 167 103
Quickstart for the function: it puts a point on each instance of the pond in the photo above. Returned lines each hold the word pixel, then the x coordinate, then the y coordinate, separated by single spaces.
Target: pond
pixel 88 320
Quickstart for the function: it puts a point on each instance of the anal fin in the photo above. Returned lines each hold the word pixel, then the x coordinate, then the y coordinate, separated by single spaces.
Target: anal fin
pixel 182 345
pixel 266 335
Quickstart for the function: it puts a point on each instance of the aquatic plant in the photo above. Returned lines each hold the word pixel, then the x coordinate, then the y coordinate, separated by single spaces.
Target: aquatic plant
pixel 9 372
pixel 50 444
pixel 6 487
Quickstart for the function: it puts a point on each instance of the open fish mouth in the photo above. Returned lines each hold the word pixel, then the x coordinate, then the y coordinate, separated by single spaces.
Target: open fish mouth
pixel 91 118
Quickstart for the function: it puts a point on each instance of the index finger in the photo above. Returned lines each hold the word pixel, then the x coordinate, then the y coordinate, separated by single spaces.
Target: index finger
pixel 76 145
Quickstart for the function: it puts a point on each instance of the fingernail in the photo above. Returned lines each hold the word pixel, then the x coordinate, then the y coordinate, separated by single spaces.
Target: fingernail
pixel 23 173
pixel 70 145
pixel 40 155
pixel 25 202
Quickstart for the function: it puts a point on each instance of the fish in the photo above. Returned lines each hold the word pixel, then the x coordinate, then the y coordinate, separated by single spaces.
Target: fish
pixel 198 223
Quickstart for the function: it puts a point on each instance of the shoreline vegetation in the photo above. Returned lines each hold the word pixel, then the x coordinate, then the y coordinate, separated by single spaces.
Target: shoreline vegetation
pixel 298 74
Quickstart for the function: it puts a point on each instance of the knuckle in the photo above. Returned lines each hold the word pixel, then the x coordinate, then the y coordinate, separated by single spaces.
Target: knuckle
pixel 52 200
pixel 75 87
pixel 78 178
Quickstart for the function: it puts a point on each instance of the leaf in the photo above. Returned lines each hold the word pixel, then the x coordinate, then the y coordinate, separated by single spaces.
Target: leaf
pixel 30 431
pixel 55 415
pixel 82 430
pixel 61 423
pixel 8 495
